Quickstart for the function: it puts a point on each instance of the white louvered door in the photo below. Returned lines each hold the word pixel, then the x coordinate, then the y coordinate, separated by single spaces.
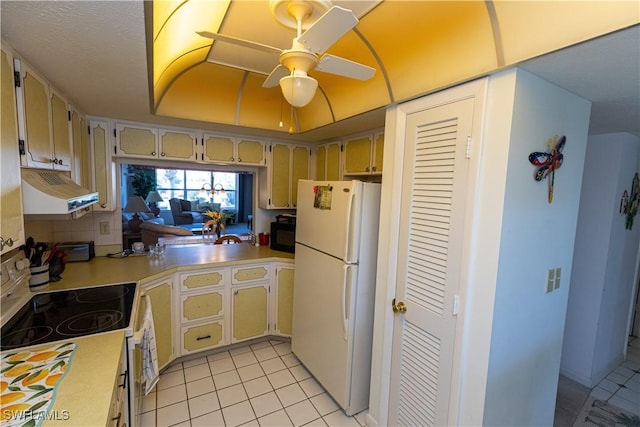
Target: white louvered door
pixel 432 213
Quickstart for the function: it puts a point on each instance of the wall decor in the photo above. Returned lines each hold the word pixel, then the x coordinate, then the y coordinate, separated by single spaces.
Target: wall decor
pixel 549 162
pixel 629 202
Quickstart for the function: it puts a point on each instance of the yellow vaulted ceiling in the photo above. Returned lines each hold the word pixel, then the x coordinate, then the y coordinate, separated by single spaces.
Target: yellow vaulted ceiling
pixel 416 47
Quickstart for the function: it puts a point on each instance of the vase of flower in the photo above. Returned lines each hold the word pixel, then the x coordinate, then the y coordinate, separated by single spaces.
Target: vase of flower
pixel 218 219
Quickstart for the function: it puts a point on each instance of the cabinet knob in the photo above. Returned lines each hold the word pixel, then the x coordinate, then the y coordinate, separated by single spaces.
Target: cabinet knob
pixel 162 154
pixel 373 169
pixel 366 169
pixel 103 205
pixel 232 159
pixel 239 160
pixel 153 153
pixel 9 242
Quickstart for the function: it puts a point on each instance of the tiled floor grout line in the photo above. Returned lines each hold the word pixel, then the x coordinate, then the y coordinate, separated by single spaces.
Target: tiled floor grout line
pixel 286 400
pixel 603 391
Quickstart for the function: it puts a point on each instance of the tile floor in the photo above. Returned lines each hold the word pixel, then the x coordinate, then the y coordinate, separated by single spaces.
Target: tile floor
pixel 621 388
pixel 260 384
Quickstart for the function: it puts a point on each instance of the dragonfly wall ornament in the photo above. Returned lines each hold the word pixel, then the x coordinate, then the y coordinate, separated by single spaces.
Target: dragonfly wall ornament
pixel 549 162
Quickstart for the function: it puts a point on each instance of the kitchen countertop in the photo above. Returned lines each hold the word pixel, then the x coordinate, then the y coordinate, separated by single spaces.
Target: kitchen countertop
pixel 106 270
pixel 84 394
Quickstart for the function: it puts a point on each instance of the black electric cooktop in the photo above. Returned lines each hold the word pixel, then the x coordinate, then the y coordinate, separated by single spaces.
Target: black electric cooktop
pixel 67 314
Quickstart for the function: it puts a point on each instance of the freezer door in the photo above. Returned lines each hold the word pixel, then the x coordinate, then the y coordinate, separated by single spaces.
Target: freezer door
pixel 328 215
pixel 321 320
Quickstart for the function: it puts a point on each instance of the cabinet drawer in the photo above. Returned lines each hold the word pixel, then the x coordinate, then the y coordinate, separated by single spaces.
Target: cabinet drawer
pixel 205 335
pixel 202 305
pixel 193 281
pixel 249 273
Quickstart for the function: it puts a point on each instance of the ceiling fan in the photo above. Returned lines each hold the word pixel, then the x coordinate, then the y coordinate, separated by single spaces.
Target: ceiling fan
pixel 308 47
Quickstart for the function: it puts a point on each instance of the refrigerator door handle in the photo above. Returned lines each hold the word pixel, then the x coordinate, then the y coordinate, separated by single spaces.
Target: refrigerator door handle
pixel 345 309
pixel 349 228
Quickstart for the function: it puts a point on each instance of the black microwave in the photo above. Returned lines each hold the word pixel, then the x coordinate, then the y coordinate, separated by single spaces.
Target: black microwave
pixel 283 233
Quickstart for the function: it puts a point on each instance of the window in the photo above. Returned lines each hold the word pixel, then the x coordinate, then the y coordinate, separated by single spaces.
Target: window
pixel 201 187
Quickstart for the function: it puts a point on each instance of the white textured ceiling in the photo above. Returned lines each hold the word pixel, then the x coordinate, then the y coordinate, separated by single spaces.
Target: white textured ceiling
pixel 94 52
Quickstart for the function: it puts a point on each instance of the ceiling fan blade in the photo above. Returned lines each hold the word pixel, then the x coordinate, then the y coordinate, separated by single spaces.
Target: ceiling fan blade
pixel 240 42
pixel 345 67
pixel 328 29
pixel 273 79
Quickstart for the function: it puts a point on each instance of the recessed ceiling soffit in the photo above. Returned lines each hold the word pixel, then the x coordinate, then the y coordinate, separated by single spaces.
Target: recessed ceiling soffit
pixel 416 47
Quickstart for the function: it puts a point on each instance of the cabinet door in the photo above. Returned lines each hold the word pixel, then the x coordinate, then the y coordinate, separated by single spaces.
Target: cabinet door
pixel 81 153
pixel 176 145
pixel 284 300
pixel 203 305
pixel 218 149
pixel 378 153
pixel 136 141
pixel 333 162
pixel 251 152
pixel 11 220
pixel 357 155
pixel 36 119
pixel 299 170
pixel 60 132
pixel 250 312
pixel 280 173
pixel 321 163
pixel 160 293
pixel 102 165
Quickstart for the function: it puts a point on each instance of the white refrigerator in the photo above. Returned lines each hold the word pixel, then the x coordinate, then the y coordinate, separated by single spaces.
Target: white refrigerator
pixel 334 286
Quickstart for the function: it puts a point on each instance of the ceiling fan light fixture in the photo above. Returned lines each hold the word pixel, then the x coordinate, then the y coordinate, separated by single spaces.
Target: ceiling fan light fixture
pixel 298 90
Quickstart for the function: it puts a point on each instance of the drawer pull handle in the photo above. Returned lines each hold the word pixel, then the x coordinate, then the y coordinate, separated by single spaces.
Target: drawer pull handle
pixel 206 337
pixel 117 419
pixel 125 374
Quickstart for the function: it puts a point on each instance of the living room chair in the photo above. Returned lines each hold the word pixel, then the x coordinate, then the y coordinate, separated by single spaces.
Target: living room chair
pixel 182 213
pixel 228 238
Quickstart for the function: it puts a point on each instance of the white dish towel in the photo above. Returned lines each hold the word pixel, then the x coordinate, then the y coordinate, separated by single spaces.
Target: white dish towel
pixel 150 372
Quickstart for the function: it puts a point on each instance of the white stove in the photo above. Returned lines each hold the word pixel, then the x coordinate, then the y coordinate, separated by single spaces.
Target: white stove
pixel 14 291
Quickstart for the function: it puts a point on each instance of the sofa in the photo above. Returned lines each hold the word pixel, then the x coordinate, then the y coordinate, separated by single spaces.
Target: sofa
pixel 150 232
pixel 182 213
pixel 144 216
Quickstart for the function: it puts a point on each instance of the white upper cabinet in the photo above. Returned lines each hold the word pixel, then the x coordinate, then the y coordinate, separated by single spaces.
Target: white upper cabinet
pixel 231 150
pixel 11 219
pixel 148 142
pixel 288 163
pixel 329 162
pixel 43 122
pixel 103 176
pixel 363 155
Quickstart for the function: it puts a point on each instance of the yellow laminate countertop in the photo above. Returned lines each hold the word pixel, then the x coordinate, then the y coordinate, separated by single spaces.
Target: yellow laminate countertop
pixel 134 268
pixel 84 395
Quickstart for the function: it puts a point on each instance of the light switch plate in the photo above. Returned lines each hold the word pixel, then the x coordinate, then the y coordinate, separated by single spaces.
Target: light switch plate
pixel 551 280
pixel 556 285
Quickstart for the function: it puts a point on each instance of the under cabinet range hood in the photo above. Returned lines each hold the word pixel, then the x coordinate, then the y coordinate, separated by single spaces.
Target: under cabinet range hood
pixel 47 192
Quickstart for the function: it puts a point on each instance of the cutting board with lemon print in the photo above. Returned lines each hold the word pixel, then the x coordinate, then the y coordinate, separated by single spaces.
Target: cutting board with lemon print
pixel 28 382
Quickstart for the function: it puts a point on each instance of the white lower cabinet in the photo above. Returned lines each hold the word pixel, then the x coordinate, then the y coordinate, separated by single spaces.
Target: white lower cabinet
pixel 282 300
pixel 226 305
pixel 161 294
pixel 203 306
pixel 119 411
pixel 249 312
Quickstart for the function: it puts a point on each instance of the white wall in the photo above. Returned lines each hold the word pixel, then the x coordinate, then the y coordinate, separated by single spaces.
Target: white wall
pixel 528 324
pixel 604 262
